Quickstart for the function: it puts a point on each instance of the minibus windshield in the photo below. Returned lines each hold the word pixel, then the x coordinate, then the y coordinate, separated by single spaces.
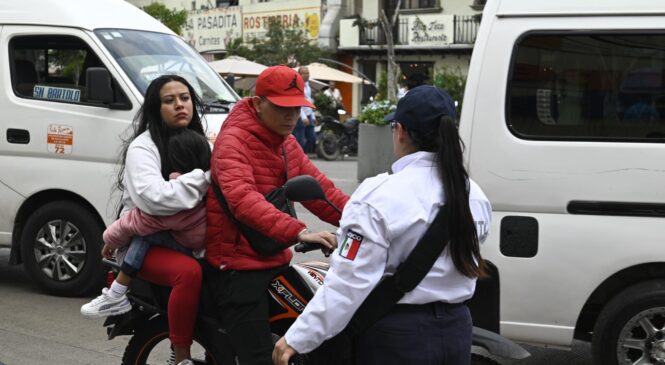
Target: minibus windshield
pixel 145 56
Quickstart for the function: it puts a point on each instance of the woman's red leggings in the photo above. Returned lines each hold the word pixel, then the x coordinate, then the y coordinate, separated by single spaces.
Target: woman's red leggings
pixel 166 267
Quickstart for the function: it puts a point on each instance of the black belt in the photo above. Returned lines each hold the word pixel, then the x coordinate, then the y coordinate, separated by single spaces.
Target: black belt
pixel 427 307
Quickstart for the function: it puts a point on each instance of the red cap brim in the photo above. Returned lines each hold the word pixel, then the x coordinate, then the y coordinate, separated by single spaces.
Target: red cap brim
pixel 290 101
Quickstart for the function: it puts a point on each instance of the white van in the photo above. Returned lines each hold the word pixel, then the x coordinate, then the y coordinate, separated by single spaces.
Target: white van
pixel 72 75
pixel 564 124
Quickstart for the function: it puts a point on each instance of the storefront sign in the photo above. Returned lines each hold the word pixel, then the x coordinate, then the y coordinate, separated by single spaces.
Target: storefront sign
pixel 255 19
pixel 213 29
pixel 431 30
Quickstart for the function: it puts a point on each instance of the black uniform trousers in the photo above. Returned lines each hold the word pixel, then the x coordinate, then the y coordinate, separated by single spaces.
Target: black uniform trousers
pixel 428 334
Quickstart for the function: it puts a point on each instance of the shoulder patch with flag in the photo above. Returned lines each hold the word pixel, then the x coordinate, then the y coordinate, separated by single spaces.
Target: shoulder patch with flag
pixel 350 246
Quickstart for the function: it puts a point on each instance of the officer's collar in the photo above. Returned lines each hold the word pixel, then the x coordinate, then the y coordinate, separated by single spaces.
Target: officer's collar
pixel 420 158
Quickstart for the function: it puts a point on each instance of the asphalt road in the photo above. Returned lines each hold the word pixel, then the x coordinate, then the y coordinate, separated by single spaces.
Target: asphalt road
pixel 37 329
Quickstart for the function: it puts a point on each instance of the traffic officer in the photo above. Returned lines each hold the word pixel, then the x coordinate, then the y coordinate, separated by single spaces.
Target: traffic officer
pixel 380 226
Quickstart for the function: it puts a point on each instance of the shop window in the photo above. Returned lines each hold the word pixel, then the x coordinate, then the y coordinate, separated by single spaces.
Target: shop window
pixel 415 74
pixel 418 4
pixel 600 86
pixel 478 4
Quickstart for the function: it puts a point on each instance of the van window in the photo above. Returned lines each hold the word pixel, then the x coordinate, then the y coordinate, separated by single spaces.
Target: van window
pixel 52 68
pixel 591 87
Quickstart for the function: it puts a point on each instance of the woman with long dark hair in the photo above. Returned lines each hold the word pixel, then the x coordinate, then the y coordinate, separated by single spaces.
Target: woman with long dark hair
pixel 150 155
pixel 380 226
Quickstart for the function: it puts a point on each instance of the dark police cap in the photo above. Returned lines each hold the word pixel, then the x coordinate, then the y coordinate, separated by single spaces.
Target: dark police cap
pixel 422 108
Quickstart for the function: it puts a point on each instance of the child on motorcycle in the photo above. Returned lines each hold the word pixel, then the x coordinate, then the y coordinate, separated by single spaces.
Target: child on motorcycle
pixel 189 150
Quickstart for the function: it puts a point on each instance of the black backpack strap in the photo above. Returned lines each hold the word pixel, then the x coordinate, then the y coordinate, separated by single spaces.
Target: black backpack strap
pixel 409 274
pixel 222 202
pixel 286 164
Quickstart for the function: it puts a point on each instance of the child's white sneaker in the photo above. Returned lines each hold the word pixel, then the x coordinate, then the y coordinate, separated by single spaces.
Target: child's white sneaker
pixel 105 305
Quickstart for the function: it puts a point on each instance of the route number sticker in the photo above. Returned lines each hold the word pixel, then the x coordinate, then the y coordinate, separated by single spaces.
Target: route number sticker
pixel 60 139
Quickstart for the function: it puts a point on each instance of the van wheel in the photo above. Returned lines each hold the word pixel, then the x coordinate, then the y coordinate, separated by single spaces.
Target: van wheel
pixel 631 327
pixel 60 246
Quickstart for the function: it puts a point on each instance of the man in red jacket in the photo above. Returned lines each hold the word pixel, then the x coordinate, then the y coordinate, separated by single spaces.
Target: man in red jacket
pixel 250 158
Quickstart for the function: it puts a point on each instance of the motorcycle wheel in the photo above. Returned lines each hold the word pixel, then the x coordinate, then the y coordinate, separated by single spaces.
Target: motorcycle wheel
pixel 151 345
pixel 327 146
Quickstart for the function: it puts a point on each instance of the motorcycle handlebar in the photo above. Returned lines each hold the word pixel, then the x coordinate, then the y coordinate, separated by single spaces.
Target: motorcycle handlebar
pixel 305 247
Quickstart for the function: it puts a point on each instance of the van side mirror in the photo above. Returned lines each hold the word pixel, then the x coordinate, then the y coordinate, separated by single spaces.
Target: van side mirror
pixel 99 85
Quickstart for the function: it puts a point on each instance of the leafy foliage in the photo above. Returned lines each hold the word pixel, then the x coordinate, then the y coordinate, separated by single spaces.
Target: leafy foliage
pixel 173 19
pixel 325 105
pixel 374 112
pixel 382 87
pixel 275 48
pixel 453 81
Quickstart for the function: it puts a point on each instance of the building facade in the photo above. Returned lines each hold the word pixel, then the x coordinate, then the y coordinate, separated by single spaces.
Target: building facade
pixel 430 35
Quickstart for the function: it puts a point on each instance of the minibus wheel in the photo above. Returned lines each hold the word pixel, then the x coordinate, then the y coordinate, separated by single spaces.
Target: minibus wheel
pixel 61 249
pixel 631 327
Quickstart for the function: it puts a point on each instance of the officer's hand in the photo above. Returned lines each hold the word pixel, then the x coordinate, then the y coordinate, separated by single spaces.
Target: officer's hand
pixel 305 122
pixel 323 238
pixel 282 352
pixel 107 251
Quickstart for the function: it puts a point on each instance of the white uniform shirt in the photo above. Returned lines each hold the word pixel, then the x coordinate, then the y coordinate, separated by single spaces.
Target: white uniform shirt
pixel 146 189
pixel 380 226
pixel 305 111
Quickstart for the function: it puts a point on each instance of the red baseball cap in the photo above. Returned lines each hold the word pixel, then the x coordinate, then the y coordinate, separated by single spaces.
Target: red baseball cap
pixel 283 86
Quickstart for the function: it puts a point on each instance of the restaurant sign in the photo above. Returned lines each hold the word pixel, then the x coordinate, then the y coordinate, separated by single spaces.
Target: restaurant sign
pixel 255 19
pixel 431 30
pixel 212 30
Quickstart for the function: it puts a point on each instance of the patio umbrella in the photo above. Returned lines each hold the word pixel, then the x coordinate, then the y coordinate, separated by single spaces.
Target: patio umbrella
pixel 319 71
pixel 237 66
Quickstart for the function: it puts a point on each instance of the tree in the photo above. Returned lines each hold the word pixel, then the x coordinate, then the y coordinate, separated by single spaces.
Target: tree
pixel 387 25
pixel 173 19
pixel 279 44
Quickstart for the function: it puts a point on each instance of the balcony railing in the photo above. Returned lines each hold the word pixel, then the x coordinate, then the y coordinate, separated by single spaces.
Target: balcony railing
pixel 466 28
pixel 373 34
pixel 413 30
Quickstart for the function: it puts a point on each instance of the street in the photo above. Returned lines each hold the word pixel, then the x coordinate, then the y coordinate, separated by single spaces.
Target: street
pixel 37 329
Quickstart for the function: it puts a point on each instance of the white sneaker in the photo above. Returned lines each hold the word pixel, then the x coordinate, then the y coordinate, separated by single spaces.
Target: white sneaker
pixel 105 305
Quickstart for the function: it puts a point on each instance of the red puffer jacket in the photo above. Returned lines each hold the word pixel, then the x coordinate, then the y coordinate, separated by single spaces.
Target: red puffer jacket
pixel 248 163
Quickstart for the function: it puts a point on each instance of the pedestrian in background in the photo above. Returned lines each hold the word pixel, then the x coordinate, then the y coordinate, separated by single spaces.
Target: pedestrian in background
pixel 304 131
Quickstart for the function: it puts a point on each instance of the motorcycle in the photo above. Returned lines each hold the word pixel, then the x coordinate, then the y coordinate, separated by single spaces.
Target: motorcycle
pixel 289 293
pixel 336 139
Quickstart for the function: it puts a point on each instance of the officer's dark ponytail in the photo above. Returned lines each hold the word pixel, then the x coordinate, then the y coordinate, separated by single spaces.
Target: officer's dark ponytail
pixel 464 245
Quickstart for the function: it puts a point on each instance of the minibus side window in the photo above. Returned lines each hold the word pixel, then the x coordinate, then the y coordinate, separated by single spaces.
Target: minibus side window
pixel 53 68
pixel 603 86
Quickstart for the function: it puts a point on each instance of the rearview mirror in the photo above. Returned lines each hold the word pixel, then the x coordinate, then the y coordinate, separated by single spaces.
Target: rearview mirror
pixel 303 188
